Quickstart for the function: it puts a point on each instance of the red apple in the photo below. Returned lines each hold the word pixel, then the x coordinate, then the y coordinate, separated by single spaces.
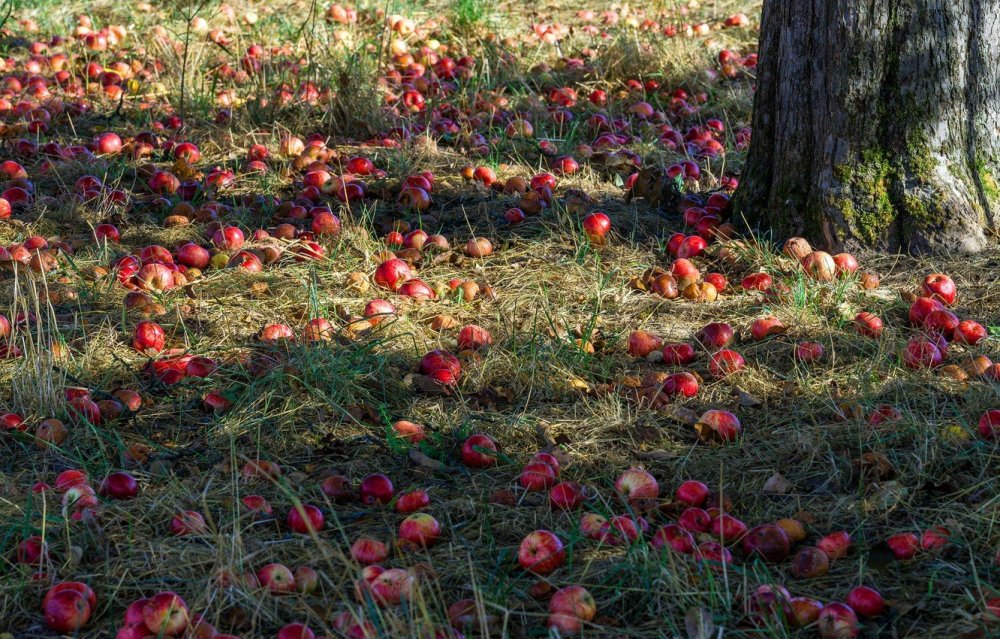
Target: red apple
pixel 592 526
pixel 868 325
pixel 728 529
pixel 940 287
pixel 305 519
pixel 767 541
pixel 66 611
pixel 392 273
pixel 276 578
pixel 810 562
pixel 989 424
pixel 188 522
pixel 718 426
pixel 149 337
pixel 970 332
pixel 392 586
pixel 804 611
pixel 692 493
pixel 845 264
pixel 921 353
pixel 865 601
pixel 635 484
pixel 642 343
pixel 675 537
pixel 339 489
pixel 575 601
pixel 835 545
pixel 165 613
pixel 367 551
pixel 537 476
pixel 412 501
pixel 715 335
pixel 695 520
pixel 119 485
pixel 678 354
pixel 541 552
pixel 567 495
pixel 808 351
pixel 921 308
pixel 596 227
pixel 479 451
pixel 295 631
pixel 837 621
pixel 820 266
pixel 420 530
pixel 376 489
pixel 757 282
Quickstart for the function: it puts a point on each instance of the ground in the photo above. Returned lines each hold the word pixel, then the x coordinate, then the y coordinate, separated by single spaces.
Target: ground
pixel 559 304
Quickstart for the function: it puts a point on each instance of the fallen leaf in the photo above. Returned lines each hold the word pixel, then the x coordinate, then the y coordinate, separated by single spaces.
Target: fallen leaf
pixel 777 485
pixel 746 399
pixel 698 623
pixel 420 459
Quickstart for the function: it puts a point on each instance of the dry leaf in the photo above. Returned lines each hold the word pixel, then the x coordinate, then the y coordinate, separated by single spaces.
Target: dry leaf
pixel 746 399
pixel 656 455
pixel 420 459
pixel 698 623
pixel 777 485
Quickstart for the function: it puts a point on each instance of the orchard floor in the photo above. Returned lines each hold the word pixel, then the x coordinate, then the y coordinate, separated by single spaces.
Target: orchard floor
pixel 557 375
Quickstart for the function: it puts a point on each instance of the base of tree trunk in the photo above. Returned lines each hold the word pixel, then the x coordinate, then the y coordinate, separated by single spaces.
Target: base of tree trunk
pixel 875 124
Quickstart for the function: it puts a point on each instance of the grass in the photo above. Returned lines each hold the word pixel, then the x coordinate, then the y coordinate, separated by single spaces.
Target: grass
pixel 325 408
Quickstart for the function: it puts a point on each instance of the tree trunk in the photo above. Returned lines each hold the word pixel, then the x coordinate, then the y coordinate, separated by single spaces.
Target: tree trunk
pixel 877 123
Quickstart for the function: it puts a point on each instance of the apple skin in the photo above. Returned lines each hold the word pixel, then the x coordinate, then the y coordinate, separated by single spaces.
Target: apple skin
pixel 367 551
pixel 768 542
pixel 392 586
pixel 904 546
pixel 715 336
pixel 989 424
pixel 865 601
pixel 835 545
pixel 837 621
pixel 596 227
pixel 295 631
pixel 868 325
pixel 187 522
pixel 695 520
pixel 810 562
pixel 674 537
pixel 678 354
pixel 567 495
pixel 642 343
pixel 119 485
pixel 165 613
pixel 412 501
pixel 376 489
pixel 804 611
pixel 305 519
pixel 635 484
pixel 472 451
pixel 537 476
pixel 66 611
pixel 692 493
pixel 276 578
pixel 970 332
pixel 574 600
pixel 940 287
pixel 420 530
pixel 541 552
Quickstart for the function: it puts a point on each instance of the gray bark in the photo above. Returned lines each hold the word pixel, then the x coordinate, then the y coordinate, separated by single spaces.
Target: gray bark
pixel 877 123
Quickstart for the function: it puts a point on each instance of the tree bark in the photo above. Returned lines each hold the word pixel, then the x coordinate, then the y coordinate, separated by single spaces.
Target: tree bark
pixel 877 123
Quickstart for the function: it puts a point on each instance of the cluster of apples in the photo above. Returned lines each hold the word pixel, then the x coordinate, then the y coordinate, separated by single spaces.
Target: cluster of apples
pixel 81 408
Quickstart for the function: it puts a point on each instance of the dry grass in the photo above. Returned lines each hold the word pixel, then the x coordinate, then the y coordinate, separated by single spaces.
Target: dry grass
pixel 326 408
